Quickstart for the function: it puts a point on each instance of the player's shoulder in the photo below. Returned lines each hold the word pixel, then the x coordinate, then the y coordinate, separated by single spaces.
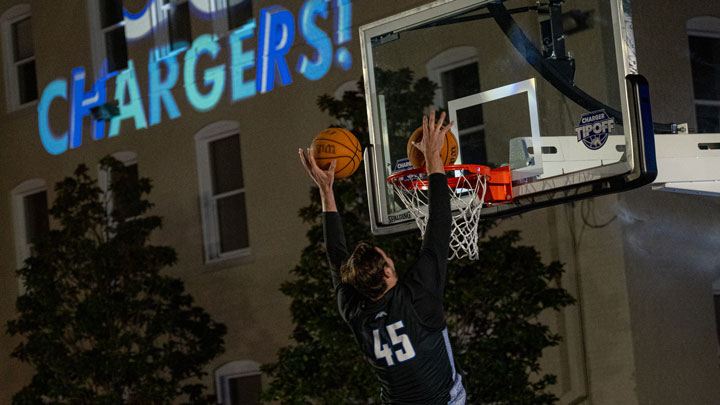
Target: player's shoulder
pixel 402 298
pixel 413 286
pixel 349 300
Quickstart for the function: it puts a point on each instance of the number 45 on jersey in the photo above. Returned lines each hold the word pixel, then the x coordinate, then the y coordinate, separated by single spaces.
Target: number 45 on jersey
pixel 383 350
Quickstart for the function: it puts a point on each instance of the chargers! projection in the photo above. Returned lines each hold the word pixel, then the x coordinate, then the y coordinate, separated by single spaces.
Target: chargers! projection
pixel 274 36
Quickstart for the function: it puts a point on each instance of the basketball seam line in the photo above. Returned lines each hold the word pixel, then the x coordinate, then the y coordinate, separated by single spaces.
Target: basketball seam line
pixel 342 168
pixel 352 159
pixel 345 132
pixel 354 152
pixel 334 141
pixel 354 141
pixel 356 145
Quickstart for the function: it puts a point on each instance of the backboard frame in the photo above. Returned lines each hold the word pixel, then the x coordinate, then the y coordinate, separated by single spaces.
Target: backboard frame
pixel 638 167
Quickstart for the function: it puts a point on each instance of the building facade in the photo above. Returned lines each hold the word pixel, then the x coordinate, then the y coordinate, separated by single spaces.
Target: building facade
pixel 215 97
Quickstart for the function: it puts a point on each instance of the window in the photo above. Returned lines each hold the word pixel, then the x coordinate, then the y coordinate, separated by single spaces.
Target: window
pixel 238 383
pixel 238 13
pixel 30 219
pixel 174 31
pixel 222 191
pixel 231 14
pixel 456 72
pixel 107 36
pixel 119 203
pixel 459 82
pixel 19 57
pixel 704 43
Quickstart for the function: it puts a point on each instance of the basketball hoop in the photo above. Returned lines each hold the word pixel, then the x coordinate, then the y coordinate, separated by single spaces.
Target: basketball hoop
pixel 471 187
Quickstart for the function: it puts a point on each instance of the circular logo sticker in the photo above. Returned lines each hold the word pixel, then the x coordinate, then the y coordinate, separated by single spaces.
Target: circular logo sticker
pixel 594 128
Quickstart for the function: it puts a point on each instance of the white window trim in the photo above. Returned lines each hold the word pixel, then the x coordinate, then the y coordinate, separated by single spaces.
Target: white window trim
pixel 97 39
pixel 350 85
pixel 208 208
pixel 711 103
pixel 221 25
pixel 233 369
pixel 22 248
pixel 161 27
pixel 447 60
pixel 12 88
pixel 704 26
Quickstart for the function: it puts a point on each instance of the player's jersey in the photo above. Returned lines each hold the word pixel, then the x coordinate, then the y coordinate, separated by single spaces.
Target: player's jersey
pixel 411 359
pixel 403 334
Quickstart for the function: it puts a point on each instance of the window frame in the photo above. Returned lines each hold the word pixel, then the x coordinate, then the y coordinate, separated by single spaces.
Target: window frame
pixel 208 207
pixel 22 246
pixel 233 369
pixel 708 27
pixel 98 48
pixel 220 17
pixel 452 67
pixel 446 61
pixel 350 85
pixel 161 27
pixel 12 87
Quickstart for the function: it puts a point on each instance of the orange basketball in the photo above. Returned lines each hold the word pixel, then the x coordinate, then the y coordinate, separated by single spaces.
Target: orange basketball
pixel 337 144
pixel 448 153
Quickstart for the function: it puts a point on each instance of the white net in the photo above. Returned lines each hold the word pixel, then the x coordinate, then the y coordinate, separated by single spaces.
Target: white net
pixel 467 196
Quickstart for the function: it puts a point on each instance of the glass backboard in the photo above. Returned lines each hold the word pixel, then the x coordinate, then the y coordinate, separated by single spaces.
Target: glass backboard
pixel 549 88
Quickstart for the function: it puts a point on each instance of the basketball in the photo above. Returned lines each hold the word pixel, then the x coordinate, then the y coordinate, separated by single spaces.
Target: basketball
pixel 337 144
pixel 448 153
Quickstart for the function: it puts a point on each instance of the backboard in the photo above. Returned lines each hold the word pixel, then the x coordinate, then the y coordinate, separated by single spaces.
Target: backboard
pixel 549 88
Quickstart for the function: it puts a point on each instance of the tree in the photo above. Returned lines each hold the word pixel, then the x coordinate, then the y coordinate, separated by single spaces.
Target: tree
pixel 492 308
pixel 491 304
pixel 101 324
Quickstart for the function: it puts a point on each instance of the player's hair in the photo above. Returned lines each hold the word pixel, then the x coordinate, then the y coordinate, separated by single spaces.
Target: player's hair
pixel 364 270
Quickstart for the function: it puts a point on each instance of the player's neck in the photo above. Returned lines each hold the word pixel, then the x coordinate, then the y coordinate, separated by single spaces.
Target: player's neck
pixel 391 284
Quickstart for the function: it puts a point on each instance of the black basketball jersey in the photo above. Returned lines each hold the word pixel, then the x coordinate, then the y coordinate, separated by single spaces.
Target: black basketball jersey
pixel 403 335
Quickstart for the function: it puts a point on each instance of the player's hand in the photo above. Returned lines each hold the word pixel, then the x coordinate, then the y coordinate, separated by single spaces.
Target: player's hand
pixel 432 141
pixel 322 178
pixel 433 134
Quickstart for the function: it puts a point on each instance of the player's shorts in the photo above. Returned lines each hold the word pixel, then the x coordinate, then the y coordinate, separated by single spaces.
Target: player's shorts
pixel 457 392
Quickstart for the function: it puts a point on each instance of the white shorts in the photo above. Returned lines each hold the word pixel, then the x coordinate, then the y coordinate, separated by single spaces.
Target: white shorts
pixel 457 392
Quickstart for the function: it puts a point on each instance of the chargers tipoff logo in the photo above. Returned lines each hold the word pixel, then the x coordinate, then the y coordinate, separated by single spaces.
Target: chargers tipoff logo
pixel 594 129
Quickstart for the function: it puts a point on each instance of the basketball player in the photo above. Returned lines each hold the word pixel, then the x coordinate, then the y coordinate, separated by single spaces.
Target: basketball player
pixel 399 324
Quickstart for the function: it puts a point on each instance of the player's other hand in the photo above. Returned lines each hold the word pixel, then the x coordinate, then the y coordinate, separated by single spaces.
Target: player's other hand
pixel 322 178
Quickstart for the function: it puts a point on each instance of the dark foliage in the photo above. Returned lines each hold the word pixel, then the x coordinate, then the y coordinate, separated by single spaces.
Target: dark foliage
pixel 101 324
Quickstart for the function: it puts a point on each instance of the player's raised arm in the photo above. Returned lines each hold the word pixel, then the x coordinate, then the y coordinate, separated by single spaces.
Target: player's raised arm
pixel 332 227
pixel 322 178
pixel 432 266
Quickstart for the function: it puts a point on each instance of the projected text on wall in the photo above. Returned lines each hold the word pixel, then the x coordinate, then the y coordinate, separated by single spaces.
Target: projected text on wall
pixel 263 45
